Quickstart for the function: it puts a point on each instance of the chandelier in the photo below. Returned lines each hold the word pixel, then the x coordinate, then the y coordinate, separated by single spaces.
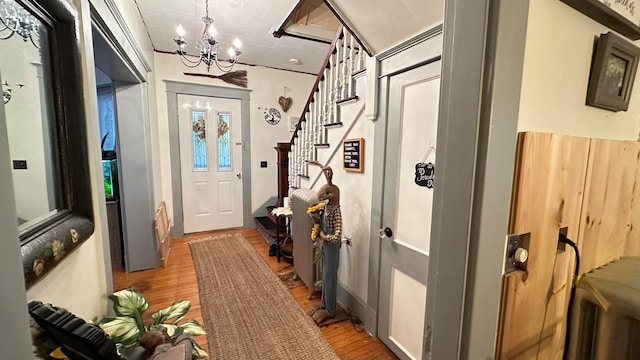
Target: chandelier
pixel 16 20
pixel 208 48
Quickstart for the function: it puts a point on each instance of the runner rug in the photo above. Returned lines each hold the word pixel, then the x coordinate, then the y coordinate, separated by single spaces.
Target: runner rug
pixel 248 313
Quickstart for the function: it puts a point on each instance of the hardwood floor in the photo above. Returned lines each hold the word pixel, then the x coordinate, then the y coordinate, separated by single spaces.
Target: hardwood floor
pixel 177 281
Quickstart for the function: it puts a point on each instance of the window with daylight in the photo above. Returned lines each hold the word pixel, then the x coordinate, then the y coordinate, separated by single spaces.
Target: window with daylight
pixel 224 142
pixel 199 139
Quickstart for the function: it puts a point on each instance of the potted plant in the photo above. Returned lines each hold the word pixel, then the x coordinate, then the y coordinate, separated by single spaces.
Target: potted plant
pixel 128 326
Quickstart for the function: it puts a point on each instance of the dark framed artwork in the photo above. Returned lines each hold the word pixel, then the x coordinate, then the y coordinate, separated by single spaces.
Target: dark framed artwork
pixel 612 73
pixel 353 155
pixel 621 16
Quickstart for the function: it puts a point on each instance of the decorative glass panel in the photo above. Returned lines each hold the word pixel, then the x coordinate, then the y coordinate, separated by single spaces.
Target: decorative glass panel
pixel 224 142
pixel 199 138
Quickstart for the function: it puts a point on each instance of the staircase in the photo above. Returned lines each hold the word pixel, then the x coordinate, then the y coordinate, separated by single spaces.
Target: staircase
pixel 320 131
pixel 326 109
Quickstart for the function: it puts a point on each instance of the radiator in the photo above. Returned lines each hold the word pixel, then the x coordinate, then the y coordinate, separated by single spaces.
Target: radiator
pixel 303 252
pixel 605 317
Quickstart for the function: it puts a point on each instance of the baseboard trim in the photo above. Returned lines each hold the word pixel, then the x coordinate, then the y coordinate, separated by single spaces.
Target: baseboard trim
pixel 368 316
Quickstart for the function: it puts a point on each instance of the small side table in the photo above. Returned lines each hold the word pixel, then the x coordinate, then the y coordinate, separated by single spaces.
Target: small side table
pixel 282 214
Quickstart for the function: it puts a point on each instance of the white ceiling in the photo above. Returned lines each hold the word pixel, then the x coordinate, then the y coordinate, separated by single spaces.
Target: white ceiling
pixel 385 23
pixel 253 21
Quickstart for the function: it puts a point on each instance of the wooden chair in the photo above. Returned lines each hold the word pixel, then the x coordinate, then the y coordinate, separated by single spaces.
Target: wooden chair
pixel 163 232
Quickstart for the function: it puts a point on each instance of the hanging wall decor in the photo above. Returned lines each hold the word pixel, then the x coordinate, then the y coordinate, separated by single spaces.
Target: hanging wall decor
pixel 271 116
pixel 426 172
pixel 612 73
pixel 284 101
pixel 353 155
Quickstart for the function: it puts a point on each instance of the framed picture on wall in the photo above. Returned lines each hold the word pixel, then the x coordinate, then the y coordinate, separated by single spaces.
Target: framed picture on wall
pixel 621 16
pixel 612 73
pixel 293 122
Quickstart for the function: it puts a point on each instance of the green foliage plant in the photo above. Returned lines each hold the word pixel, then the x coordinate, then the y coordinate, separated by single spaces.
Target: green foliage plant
pixel 128 326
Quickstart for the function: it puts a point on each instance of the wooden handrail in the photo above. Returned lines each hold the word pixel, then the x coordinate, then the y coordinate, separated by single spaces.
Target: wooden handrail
pixel 325 64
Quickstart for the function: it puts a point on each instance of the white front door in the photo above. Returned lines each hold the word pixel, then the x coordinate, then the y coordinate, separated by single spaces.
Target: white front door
pixel 211 162
pixel 408 198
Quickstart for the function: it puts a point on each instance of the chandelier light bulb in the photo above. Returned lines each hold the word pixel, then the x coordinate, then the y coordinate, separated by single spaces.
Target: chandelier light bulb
pixel 180 30
pixel 236 43
pixel 212 31
pixel 232 52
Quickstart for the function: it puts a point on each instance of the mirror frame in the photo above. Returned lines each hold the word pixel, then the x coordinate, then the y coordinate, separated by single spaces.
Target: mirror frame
pixel 49 242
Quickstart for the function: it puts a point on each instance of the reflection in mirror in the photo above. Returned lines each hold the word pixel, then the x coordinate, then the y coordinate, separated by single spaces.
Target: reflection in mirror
pixel 25 65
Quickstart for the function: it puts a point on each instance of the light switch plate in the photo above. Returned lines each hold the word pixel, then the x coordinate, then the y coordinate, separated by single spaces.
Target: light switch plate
pixel 515 241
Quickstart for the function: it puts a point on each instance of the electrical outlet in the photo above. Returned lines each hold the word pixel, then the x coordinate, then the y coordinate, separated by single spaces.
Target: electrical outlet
pixel 263 164
pixel 20 164
pixel 562 246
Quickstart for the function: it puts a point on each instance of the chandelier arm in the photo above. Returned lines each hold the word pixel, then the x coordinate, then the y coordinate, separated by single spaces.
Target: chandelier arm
pixel 33 42
pixel 9 36
pixel 225 68
pixel 6 25
pixel 189 63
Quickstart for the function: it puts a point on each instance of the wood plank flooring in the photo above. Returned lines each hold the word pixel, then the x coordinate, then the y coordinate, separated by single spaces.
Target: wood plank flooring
pixel 177 281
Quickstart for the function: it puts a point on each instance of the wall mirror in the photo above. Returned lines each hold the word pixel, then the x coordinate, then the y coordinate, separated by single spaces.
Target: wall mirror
pixel 45 120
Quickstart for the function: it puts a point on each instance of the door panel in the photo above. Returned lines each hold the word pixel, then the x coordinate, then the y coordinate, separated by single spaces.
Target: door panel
pixel 411 140
pixel 210 136
pixel 404 331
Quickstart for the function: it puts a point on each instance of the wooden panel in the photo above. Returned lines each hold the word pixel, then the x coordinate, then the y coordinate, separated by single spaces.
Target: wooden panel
pixel 611 216
pixel 548 195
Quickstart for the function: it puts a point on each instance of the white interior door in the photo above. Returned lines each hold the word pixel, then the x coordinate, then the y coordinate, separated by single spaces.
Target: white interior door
pixel 211 162
pixel 411 141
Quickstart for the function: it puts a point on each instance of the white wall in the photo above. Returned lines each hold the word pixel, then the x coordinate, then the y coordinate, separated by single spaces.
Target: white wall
pixel 266 86
pixel 558 53
pixel 18 61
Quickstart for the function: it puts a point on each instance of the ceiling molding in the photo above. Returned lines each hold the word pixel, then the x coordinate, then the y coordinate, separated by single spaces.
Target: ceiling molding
pixel 433 32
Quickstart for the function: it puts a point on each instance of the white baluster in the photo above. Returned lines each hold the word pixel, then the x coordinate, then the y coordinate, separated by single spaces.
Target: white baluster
pixel 351 64
pixel 318 118
pixel 290 166
pixel 337 72
pixel 326 105
pixel 307 142
pixel 345 60
pixel 320 102
pixel 310 121
pixel 294 162
pixel 330 75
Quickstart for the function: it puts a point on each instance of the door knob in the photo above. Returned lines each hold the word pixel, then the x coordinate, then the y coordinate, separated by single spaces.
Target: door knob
pixel 239 175
pixel 386 232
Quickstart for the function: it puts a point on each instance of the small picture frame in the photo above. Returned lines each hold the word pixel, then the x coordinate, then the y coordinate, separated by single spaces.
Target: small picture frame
pixel 293 122
pixel 612 73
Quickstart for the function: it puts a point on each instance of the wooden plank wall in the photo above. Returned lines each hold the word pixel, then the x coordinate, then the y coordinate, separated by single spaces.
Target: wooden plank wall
pixel 548 195
pixel 588 186
pixel 611 210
